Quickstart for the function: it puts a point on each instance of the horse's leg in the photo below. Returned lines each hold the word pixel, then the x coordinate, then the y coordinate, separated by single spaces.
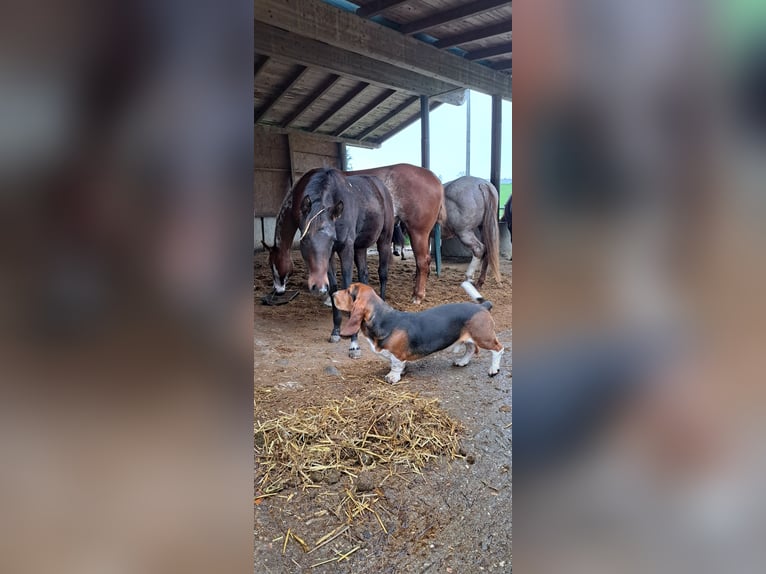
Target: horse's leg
pixel 468 238
pixel 384 259
pixel 330 273
pixel 347 256
pixel 360 258
pixel 398 240
pixel 336 316
pixel 484 261
pixel 420 247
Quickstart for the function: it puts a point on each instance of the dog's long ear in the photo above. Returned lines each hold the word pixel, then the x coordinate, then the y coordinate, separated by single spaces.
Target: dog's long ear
pixel 354 322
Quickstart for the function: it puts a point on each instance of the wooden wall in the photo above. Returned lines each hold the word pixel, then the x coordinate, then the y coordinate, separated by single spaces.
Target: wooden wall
pixel 280 160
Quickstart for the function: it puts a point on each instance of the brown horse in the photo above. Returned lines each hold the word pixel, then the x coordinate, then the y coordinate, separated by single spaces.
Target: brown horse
pixel 288 218
pixel 419 203
pixel 472 205
pixel 418 198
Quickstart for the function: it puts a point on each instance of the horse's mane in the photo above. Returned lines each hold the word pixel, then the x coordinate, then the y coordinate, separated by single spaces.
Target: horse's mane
pixel 286 223
pixel 321 180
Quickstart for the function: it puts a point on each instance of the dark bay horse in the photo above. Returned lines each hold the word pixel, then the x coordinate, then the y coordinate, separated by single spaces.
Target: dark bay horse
pixel 418 198
pixel 472 207
pixel 344 215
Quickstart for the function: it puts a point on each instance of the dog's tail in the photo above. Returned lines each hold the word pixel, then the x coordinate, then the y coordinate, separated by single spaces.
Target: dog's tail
pixel 475 295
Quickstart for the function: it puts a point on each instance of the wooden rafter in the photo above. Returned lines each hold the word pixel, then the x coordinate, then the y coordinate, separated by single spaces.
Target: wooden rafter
pixel 489 51
pixel 328 115
pixel 318 135
pixel 297 77
pixel 259 66
pixel 451 15
pixel 380 100
pixel 431 107
pixel 376 7
pixel 474 35
pixel 388 117
pixel 311 99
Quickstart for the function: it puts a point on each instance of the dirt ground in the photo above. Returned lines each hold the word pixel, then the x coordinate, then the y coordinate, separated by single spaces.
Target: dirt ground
pixel 456 515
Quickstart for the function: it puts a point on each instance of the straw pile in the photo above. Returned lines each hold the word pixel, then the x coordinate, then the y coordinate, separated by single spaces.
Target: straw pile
pixel 396 430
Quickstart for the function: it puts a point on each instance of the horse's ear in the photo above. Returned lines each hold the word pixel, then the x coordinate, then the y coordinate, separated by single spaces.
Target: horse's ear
pixel 337 210
pixel 306 205
pixel 266 246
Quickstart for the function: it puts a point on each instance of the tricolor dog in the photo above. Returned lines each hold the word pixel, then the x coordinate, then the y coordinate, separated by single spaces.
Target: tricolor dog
pixel 403 337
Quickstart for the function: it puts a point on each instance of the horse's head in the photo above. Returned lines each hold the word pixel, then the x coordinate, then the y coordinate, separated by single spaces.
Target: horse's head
pixel 281 265
pixel 319 210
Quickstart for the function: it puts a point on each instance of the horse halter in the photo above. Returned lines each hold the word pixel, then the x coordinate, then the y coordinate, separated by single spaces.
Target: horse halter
pixel 305 231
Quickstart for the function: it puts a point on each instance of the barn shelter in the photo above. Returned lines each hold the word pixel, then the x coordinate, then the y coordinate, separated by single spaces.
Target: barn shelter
pixel 333 73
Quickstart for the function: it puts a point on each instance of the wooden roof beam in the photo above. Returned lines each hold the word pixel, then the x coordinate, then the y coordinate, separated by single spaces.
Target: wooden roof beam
pixel 319 136
pixel 360 87
pixel 283 45
pixel 314 33
pixel 474 35
pixel 270 106
pixel 376 7
pixel 451 15
pixel 489 51
pixel 380 100
pixel 311 99
pixel 388 117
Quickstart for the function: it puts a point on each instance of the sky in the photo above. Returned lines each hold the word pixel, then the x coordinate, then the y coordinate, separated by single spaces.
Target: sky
pixel 448 133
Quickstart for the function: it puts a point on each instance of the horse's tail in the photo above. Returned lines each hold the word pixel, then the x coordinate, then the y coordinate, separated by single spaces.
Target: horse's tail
pixel 442 219
pixel 490 229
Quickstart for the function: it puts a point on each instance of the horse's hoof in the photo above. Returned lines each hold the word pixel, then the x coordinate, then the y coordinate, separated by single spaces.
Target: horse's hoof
pixel 334 338
pixel 355 353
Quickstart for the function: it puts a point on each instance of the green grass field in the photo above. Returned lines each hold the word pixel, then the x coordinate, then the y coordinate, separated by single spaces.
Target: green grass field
pixel 505 193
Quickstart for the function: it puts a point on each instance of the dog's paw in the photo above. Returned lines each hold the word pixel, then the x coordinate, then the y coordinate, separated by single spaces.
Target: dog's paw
pixel 393 378
pixel 493 373
pixel 327 302
pixel 461 362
